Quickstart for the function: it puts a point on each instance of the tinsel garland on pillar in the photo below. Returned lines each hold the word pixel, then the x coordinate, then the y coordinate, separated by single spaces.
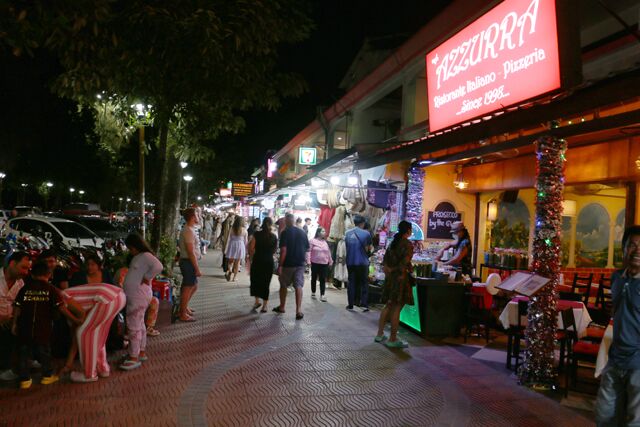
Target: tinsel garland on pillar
pixel 538 368
pixel 415 193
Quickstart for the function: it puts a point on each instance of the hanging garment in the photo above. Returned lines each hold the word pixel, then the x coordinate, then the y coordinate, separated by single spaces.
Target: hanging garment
pixel 326 215
pixel 337 229
pixel 340 271
pixel 378 194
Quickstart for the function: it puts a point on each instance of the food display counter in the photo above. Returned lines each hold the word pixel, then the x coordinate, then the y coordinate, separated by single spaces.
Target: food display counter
pixel 439 307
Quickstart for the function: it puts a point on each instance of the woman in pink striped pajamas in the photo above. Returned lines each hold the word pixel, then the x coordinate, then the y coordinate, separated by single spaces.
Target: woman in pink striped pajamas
pixel 137 286
pixel 101 302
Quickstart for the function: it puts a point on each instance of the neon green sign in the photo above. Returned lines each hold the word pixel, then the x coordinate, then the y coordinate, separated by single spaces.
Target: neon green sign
pixel 410 314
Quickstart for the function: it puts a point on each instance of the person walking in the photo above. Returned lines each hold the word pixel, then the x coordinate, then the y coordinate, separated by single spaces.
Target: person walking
pixel 358 242
pixel 137 287
pixel 261 249
pixel 397 290
pixel 320 260
pixel 236 247
pixel 618 401
pixel 189 246
pixel 294 246
pixel 227 225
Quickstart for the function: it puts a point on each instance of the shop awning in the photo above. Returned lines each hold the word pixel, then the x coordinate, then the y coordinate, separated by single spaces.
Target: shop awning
pixel 600 94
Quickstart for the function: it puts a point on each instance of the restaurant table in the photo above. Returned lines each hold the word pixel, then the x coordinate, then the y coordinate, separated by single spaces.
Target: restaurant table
pixel 603 352
pixel 509 315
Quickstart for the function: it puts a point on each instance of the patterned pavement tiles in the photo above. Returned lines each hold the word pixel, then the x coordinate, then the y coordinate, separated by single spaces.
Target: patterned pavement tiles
pixel 237 367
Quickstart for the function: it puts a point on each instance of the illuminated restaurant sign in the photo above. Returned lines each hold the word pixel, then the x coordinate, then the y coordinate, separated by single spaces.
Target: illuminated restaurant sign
pixel 241 189
pixel 508 55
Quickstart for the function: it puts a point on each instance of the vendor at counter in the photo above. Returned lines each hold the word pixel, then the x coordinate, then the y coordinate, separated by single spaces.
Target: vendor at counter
pixel 462 245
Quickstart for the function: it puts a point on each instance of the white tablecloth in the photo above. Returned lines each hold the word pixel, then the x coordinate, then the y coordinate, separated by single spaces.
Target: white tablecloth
pixel 603 352
pixel 509 316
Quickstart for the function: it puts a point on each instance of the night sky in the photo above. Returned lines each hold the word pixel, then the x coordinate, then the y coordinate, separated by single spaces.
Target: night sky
pixel 43 137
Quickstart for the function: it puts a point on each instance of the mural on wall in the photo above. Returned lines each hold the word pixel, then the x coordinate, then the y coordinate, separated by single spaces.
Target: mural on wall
pixel 592 236
pixel 511 228
pixel 566 239
pixel 617 239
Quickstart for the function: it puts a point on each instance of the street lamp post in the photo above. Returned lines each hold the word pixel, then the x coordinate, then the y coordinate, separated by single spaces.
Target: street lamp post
pixel 24 193
pixel 142 115
pixel 119 204
pixel 71 191
pixel 48 186
pixel 187 179
pixel 2 177
pixel 81 193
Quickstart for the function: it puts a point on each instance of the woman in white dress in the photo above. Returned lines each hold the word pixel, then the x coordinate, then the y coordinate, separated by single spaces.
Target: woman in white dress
pixel 236 247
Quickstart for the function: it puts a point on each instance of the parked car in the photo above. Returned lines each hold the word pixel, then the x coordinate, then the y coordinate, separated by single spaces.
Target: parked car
pixel 83 209
pixel 101 226
pixel 55 230
pixel 28 210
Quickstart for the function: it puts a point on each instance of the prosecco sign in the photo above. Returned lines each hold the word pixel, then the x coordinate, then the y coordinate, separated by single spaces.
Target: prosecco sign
pixel 508 55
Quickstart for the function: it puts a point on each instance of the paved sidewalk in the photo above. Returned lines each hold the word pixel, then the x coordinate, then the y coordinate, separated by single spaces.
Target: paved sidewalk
pixel 237 367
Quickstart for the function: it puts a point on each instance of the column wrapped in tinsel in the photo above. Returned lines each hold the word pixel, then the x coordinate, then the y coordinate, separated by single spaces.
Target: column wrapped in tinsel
pixel 415 193
pixel 538 368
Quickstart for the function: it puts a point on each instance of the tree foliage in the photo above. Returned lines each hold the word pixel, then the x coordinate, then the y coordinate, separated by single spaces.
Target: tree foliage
pixel 199 63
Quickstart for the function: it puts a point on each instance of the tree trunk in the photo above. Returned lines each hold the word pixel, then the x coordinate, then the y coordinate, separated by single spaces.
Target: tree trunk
pixel 160 195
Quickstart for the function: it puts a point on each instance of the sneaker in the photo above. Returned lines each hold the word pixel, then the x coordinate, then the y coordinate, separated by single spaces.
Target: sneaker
pixel 78 377
pixel 380 338
pixel 26 384
pixel 313 296
pixel 323 298
pixel 8 375
pixel 49 379
pixel 130 365
pixel 397 344
pixel 365 309
pixel 35 364
pixel 143 358
pixel 349 307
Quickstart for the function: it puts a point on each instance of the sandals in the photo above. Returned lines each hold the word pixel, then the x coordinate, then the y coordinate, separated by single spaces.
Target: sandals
pixel 187 319
pixel 256 306
pixel 151 332
pixel 380 338
pixel 263 311
pixel 277 310
pixel 299 316
pixel 397 344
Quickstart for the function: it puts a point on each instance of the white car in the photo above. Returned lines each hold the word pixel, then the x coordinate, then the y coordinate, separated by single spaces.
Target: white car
pixel 53 230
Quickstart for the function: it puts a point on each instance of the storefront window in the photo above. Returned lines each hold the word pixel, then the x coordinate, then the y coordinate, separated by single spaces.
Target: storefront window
pixel 511 229
pixel 617 239
pixel 592 236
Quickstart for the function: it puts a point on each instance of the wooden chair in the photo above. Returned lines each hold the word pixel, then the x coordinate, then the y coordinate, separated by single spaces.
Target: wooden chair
pixel 577 350
pixel 515 333
pixel 603 299
pixel 582 285
pixel 477 315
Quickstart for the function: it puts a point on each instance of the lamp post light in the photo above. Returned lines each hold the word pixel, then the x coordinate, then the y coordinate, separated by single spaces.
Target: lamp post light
pixel 81 193
pixel 187 179
pixel 184 164
pixel 71 191
pixel 119 204
pixel 127 205
pixel 47 191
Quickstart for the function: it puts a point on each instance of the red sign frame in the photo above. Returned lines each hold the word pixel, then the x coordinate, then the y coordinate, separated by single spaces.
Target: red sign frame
pixel 508 55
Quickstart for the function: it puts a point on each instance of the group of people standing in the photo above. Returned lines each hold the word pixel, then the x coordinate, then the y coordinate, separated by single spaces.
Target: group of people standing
pixel 31 293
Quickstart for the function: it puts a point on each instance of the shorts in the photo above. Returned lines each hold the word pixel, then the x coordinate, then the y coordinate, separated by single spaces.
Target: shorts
pixel 292 276
pixel 188 272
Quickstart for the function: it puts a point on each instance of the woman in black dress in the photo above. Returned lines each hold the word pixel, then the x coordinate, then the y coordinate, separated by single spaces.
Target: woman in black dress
pixel 261 250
